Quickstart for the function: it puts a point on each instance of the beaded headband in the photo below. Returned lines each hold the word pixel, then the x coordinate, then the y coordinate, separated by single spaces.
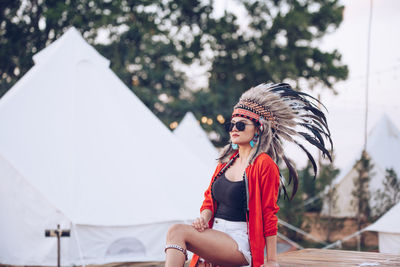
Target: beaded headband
pixel 251 110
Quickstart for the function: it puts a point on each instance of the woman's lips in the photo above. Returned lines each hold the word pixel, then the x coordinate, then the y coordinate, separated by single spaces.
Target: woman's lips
pixel 235 135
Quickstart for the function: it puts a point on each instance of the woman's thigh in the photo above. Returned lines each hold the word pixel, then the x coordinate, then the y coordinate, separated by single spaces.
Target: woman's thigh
pixel 213 246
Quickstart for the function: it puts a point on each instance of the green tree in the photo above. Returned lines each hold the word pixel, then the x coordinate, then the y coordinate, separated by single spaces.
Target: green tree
pixel 150 41
pixel 26 27
pixel 361 193
pixel 139 43
pixel 316 191
pixel 327 192
pixel 291 211
pixel 315 188
pixel 279 43
pixel 329 224
pixel 389 196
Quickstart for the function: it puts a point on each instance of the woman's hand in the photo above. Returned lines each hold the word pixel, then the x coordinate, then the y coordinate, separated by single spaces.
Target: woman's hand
pixel 270 264
pixel 200 224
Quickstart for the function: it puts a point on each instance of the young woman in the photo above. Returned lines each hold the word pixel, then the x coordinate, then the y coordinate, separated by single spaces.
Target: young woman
pixel 238 220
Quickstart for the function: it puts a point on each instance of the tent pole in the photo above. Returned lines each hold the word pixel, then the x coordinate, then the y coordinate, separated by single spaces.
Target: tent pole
pixel 79 245
pixel 57 233
pixel 58 247
pixel 367 77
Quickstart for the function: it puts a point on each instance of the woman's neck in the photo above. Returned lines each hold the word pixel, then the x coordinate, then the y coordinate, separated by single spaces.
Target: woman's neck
pixel 244 153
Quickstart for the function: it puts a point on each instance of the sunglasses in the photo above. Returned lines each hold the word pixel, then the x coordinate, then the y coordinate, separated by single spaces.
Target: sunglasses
pixel 240 126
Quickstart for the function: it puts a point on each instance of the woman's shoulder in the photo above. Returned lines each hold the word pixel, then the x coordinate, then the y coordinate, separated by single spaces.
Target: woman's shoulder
pixel 264 159
pixel 218 168
pixel 264 164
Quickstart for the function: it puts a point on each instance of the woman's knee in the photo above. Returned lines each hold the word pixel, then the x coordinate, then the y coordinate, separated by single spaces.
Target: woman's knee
pixel 176 231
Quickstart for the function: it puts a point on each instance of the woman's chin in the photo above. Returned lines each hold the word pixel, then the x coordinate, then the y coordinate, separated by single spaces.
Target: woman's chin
pixel 240 143
pixel 236 141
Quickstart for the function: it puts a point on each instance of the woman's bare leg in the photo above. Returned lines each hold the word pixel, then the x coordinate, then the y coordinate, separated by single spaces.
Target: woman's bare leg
pixel 213 246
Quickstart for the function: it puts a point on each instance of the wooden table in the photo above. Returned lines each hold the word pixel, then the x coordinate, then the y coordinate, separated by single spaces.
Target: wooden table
pixel 330 258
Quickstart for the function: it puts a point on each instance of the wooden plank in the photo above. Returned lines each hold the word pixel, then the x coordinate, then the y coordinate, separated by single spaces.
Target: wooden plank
pixel 330 258
pixel 300 258
pixel 117 264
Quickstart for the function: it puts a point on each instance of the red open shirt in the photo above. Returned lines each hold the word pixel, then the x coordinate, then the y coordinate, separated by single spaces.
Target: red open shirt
pixel 263 189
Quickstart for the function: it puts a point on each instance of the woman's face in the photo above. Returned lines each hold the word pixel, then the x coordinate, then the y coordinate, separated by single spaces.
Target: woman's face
pixel 242 137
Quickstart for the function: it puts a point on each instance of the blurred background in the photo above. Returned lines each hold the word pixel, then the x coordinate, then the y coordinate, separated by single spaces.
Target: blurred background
pixel 71 130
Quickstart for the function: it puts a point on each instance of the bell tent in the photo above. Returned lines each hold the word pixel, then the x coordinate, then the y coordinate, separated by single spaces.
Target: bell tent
pixel 195 138
pixel 383 150
pixel 79 149
pixel 388 229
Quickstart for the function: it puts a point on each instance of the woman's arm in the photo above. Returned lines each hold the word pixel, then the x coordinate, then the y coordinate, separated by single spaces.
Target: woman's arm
pixel 269 197
pixel 272 259
pixel 206 215
pixel 201 223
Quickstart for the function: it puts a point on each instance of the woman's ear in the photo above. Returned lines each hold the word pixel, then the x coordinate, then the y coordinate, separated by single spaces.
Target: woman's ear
pixel 257 132
pixel 258 129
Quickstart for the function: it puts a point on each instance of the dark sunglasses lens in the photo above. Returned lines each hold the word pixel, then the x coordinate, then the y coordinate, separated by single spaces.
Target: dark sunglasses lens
pixel 228 126
pixel 240 126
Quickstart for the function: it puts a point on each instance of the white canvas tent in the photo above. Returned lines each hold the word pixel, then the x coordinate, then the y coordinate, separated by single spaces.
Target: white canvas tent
pixel 79 149
pixel 383 149
pixel 195 138
pixel 388 229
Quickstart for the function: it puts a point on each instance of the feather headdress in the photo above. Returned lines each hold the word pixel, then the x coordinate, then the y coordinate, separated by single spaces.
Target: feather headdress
pixel 283 114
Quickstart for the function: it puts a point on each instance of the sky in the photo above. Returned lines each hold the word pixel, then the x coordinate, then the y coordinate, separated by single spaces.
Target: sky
pixel 347 109
pixel 346 115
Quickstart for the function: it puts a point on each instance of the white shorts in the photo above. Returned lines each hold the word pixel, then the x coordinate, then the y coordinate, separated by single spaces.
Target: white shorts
pixel 238 232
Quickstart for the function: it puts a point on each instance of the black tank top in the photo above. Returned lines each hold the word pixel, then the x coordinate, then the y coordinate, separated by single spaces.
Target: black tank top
pixel 231 199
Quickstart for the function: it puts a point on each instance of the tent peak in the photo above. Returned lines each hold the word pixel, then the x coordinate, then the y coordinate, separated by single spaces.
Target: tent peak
pixel 386 126
pixel 387 222
pixel 384 141
pixel 390 127
pixel 190 132
pixel 71 46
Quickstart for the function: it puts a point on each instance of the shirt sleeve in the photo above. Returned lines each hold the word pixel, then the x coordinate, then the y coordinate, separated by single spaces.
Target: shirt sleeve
pixel 269 196
pixel 208 201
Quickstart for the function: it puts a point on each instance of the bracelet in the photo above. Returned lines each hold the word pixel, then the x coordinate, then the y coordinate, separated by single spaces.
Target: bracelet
pixel 274 262
pixel 181 249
